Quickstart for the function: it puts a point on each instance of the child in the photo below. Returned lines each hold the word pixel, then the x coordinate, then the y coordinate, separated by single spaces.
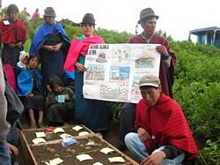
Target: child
pixel 60 102
pixel 23 60
pixel 29 82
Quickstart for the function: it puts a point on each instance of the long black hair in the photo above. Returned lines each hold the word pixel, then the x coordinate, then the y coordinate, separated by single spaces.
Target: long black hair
pixel 55 80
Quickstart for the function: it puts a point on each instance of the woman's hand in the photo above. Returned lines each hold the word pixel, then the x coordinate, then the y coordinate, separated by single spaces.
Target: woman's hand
pixel 57 47
pixel 49 48
pixel 80 67
pixel 19 44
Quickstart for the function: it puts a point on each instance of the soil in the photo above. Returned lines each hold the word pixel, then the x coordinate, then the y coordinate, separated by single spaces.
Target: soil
pixel 54 149
pixel 44 153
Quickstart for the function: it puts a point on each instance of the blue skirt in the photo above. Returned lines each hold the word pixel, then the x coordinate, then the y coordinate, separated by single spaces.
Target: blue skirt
pixel 94 114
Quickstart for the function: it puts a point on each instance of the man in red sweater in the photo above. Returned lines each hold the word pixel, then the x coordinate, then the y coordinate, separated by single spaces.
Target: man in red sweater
pixel 162 133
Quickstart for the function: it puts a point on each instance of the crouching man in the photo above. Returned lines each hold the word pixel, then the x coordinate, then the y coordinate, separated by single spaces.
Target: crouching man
pixel 163 134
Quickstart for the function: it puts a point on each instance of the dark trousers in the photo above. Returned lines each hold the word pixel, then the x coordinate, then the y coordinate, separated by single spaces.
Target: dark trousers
pixel 127 117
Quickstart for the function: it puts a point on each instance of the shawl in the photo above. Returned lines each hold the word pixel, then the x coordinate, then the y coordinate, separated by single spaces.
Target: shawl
pixel 167 123
pixel 25 81
pixel 79 47
pixel 166 74
pixel 8 31
pixel 43 32
pixel 10 75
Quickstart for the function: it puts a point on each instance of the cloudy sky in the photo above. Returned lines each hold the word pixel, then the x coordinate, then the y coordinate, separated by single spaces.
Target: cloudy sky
pixel 177 17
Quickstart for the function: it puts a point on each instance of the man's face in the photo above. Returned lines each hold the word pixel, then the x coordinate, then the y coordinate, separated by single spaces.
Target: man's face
pixel 149 26
pixel 150 94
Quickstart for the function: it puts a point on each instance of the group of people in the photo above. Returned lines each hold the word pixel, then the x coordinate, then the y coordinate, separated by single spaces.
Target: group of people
pixel 35 15
pixel 155 129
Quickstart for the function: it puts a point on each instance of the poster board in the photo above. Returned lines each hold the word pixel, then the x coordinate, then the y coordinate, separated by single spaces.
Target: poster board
pixel 114 70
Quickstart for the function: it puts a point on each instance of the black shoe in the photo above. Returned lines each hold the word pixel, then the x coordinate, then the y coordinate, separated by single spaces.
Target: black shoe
pixel 121 146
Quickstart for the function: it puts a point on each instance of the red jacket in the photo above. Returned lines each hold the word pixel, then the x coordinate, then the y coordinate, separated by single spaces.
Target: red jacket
pixel 167 123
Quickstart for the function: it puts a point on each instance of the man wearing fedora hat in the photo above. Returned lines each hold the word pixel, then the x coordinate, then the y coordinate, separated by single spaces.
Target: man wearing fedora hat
pixel 148 21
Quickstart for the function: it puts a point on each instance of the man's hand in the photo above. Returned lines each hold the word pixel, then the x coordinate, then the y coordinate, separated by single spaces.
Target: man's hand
pixel 154 159
pixel 162 50
pixel 143 134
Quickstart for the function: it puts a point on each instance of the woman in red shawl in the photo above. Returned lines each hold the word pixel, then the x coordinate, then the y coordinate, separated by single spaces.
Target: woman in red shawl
pixel 13 35
pixel 92 113
pixel 162 133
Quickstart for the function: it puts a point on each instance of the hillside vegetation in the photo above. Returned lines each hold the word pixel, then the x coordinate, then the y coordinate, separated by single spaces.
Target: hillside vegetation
pixel 196 87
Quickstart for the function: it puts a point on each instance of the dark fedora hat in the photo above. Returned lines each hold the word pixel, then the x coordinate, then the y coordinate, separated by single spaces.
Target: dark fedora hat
pixel 49 11
pixel 88 18
pixel 147 13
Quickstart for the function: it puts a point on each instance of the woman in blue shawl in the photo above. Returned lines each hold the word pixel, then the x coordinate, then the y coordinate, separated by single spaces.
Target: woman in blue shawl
pixel 52 44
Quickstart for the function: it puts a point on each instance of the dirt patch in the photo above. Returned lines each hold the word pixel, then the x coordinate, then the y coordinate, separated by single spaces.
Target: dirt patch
pixel 30 134
pixel 90 144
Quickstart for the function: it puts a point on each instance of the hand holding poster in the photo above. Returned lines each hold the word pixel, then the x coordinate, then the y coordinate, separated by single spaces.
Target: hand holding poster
pixel 114 70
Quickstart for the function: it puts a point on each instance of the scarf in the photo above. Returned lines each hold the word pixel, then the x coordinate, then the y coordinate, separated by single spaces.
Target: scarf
pixel 79 48
pixel 13 32
pixel 43 32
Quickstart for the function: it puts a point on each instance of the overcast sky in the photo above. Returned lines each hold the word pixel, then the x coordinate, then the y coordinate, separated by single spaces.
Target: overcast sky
pixel 177 17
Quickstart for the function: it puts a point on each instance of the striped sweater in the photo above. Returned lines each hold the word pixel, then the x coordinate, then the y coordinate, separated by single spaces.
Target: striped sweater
pixel 165 121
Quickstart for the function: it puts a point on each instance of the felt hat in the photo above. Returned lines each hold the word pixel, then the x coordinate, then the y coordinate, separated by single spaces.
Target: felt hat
pixel 147 13
pixel 49 11
pixel 149 80
pixel 88 18
pixel 11 8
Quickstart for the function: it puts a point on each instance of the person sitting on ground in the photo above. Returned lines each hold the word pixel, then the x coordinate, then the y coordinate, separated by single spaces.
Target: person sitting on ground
pixel 60 103
pixel 162 133
pixel 29 82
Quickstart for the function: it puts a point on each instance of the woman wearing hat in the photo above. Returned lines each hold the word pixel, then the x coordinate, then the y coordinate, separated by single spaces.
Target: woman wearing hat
pixel 148 21
pixel 93 113
pixel 14 35
pixel 51 43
